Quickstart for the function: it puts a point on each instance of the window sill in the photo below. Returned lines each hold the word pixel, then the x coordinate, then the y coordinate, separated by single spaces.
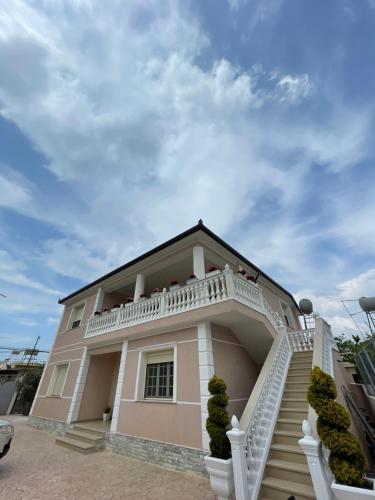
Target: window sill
pixel 54 397
pixel 156 400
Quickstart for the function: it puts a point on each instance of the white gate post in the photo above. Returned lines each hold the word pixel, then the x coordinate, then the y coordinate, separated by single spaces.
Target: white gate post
pixel 237 440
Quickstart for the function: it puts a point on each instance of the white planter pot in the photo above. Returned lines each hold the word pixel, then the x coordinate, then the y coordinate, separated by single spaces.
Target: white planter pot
pixel 221 477
pixel 142 299
pixel 106 417
pixel 129 304
pixel 213 273
pixel 155 294
pixel 115 309
pixel 343 492
pixel 240 275
pixel 190 281
pixel 172 288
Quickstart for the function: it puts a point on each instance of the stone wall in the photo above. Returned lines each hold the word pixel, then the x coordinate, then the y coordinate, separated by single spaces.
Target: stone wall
pixel 47 424
pixel 163 454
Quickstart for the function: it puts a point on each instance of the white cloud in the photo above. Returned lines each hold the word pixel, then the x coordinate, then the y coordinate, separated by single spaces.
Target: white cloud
pixel 14 192
pixel 294 88
pixel 12 271
pixel 26 322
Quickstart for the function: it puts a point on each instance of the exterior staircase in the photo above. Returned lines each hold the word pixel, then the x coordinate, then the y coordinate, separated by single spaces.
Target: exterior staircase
pixel 287 474
pixel 82 439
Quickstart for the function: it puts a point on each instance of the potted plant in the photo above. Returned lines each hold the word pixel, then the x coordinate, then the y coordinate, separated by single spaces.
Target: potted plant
pixel 142 297
pixel 106 414
pixel 191 279
pixel 219 464
pixel 129 301
pixel 114 307
pixel 97 313
pixel 174 285
pixel 250 278
pixel 241 272
pixel 155 292
pixel 212 271
pixel 105 310
pixel 346 459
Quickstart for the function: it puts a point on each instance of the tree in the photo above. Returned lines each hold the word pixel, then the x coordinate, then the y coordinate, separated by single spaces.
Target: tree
pixel 350 348
pixel 27 386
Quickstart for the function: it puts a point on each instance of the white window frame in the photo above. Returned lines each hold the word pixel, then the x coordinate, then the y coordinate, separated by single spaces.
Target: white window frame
pixel 139 394
pixel 53 380
pixel 289 313
pixel 74 306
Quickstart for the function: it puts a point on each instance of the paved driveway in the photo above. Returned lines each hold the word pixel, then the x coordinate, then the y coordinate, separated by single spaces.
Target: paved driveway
pixel 37 469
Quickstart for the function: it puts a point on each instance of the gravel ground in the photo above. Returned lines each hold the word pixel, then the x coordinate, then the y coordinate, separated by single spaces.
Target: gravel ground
pixel 37 469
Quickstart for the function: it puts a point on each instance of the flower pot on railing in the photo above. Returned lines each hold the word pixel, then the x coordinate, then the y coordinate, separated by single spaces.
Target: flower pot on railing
pixel 221 476
pixel 105 310
pixel 250 278
pixel 129 302
pixel 97 313
pixel 191 279
pixel 241 273
pixel 155 292
pixel 174 285
pixel 116 306
pixel 343 492
pixel 142 297
pixel 212 271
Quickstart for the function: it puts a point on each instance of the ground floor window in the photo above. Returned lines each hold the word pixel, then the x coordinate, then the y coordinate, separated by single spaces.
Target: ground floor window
pixel 159 375
pixel 58 380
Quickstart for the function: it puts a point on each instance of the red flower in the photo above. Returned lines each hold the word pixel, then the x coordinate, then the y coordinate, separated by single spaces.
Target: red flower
pixel 212 268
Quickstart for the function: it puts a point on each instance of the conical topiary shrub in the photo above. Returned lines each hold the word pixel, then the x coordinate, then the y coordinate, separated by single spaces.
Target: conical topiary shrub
pixel 346 458
pixel 218 419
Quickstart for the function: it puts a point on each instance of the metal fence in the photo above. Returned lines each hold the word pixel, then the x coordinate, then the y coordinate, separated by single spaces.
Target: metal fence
pixel 366 366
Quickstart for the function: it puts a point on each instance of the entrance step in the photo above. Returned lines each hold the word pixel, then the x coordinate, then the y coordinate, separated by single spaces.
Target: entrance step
pixel 86 437
pixel 288 471
pixel 83 439
pixel 76 445
pixel 275 489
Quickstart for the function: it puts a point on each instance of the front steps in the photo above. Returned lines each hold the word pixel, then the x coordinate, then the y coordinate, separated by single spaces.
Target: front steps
pixel 287 473
pixel 82 439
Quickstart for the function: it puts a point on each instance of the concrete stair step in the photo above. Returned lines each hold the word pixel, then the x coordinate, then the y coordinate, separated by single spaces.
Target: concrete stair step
pixel 288 471
pixel 295 393
pixel 86 437
pixel 287 452
pixel 301 364
pixel 293 385
pixel 298 378
pixel 287 437
pixel 289 424
pixel 74 444
pixel 294 403
pixel 275 488
pixel 296 413
pixel 305 372
pixel 88 430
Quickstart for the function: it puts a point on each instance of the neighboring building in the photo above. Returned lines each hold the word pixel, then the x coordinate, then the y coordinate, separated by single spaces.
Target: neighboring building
pixel 145 339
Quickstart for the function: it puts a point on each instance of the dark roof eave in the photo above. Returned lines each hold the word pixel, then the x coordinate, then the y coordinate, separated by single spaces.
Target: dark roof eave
pixel 198 227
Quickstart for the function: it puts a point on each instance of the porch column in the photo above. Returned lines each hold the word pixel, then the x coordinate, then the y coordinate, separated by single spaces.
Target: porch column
pixel 99 300
pixel 120 381
pixel 79 387
pixel 139 286
pixel 198 262
pixel 206 371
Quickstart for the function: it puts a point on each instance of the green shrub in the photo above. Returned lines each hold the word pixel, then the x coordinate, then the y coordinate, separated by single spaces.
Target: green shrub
pixel 218 419
pixel 346 458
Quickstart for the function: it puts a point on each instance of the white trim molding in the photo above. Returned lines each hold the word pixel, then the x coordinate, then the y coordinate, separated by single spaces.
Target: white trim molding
pixel 120 382
pixel 206 371
pixel 79 387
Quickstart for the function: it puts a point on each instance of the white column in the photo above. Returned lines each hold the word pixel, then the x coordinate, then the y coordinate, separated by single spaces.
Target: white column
pixel 120 381
pixel 237 440
pixel 198 262
pixel 79 387
pixel 139 286
pixel 206 371
pixel 312 449
pixel 99 300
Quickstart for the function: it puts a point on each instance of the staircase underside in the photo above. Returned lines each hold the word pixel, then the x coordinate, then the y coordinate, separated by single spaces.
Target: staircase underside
pixel 287 473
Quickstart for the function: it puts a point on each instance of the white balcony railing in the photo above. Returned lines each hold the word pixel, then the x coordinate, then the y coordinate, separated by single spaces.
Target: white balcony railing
pixel 213 289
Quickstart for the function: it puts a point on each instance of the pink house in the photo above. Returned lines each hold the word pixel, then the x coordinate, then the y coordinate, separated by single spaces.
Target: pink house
pixel 143 341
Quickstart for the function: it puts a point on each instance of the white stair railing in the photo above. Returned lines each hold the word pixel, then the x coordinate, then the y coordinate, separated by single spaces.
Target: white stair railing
pixel 316 455
pixel 251 437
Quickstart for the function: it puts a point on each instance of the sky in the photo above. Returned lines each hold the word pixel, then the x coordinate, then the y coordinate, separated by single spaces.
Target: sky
pixel 123 123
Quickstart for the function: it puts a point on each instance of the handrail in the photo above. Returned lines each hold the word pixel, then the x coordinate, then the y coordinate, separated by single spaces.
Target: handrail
pixel 251 438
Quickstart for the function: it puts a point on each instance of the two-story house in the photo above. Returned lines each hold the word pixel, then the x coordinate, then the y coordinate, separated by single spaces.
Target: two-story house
pixel 145 339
